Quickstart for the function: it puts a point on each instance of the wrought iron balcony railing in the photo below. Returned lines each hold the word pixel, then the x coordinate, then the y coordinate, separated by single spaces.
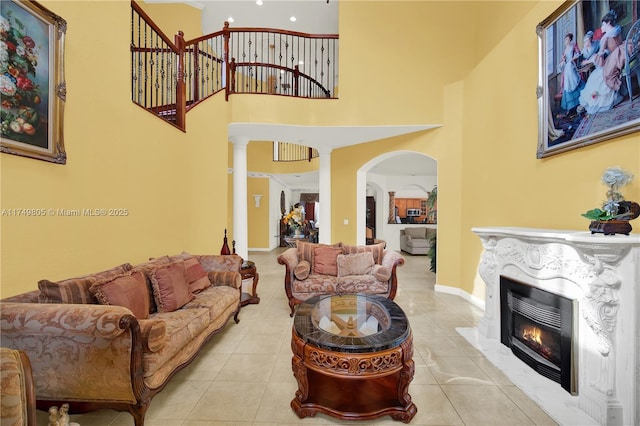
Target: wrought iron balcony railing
pixel 170 77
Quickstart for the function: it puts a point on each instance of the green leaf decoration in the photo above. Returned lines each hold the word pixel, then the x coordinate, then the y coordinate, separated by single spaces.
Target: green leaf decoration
pixel 597 214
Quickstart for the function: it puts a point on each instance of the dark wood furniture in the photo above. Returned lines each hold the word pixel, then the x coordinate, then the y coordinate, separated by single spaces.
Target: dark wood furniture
pixel 291 241
pixel 249 271
pixel 351 366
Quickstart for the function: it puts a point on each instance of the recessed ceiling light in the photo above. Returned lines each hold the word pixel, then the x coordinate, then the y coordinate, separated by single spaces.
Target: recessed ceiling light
pixel 293 19
pixel 300 62
pixel 259 2
pixel 230 19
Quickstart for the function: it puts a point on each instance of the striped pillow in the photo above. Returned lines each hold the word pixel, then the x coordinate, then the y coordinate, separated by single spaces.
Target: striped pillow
pixel 76 290
pixel 195 275
pixel 376 249
pixel 355 264
pixel 305 250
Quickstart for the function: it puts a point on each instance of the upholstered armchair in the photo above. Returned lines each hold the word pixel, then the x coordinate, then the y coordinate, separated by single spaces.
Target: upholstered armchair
pixel 17 395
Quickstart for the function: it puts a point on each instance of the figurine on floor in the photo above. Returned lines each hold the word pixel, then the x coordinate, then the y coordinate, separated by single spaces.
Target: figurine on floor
pixel 60 417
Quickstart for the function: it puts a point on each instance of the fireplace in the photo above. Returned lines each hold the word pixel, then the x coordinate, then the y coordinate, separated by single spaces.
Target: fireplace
pixel 599 277
pixel 539 327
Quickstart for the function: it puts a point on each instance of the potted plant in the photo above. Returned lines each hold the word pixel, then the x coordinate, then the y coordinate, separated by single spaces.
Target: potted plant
pixel 616 212
pixel 432 203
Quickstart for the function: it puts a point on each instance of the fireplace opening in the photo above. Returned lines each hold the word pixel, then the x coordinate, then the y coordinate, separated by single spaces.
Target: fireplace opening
pixel 541 329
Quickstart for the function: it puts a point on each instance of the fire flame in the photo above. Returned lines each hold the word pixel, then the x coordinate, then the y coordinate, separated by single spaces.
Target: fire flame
pixel 532 333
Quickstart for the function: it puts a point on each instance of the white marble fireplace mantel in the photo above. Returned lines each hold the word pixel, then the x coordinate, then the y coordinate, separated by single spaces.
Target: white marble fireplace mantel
pixel 602 273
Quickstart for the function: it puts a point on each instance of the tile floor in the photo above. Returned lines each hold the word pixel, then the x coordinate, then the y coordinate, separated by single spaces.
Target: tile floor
pixel 243 375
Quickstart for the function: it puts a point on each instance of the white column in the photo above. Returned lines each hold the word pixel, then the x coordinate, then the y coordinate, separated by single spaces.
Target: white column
pixel 240 219
pixel 324 190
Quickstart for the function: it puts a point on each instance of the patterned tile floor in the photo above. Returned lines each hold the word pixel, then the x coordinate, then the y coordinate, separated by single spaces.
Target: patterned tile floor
pixel 243 375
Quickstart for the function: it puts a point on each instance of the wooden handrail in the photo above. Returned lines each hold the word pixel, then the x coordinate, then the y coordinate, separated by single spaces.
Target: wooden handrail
pixel 171 77
pixel 152 24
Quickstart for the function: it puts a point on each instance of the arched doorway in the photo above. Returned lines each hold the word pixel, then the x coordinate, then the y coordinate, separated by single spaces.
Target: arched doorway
pixel 405 172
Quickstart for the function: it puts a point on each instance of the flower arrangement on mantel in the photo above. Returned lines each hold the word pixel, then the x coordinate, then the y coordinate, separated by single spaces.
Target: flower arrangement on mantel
pixel 616 212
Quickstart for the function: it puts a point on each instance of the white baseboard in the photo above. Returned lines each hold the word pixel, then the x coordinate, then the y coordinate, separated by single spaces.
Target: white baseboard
pixel 459 292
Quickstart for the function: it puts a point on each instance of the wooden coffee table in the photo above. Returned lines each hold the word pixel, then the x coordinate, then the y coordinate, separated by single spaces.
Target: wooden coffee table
pixel 352 358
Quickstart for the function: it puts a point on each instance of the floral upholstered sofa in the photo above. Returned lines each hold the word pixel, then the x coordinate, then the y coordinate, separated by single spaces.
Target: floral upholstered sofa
pixel 313 269
pixel 113 339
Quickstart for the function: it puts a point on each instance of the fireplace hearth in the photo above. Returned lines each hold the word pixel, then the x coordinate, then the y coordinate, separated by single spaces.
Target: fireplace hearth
pixel 539 328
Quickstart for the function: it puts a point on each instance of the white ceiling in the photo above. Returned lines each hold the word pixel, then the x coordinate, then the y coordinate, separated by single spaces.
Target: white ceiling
pixel 312 16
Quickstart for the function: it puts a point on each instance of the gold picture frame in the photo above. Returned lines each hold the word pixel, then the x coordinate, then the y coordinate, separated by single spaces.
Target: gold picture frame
pixel 573 109
pixel 32 81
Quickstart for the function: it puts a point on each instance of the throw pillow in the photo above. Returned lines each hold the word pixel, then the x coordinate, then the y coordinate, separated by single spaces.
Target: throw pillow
pixel 195 276
pixel 129 291
pixel 325 260
pixel 382 273
pixel 355 264
pixel 376 249
pixel 76 290
pixel 302 269
pixel 305 250
pixel 217 262
pixel 170 289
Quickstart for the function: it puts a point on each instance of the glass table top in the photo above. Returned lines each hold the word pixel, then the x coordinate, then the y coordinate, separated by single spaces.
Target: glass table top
pixel 351 323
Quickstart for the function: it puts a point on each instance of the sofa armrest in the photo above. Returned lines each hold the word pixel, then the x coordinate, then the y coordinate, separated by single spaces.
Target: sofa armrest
pixel 63 319
pixel 77 352
pixel 17 396
pixel 289 258
pixel 225 278
pixel 392 259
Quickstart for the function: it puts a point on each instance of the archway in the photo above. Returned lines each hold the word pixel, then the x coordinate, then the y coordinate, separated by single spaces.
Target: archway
pixel 420 175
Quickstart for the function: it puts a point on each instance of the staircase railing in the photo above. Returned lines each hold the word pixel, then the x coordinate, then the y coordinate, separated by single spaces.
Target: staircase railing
pixel 168 78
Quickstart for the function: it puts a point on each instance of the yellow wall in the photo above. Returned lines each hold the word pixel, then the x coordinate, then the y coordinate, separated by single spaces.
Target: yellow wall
pixel 119 156
pixel 504 184
pixel 483 94
pixel 470 66
pixel 172 18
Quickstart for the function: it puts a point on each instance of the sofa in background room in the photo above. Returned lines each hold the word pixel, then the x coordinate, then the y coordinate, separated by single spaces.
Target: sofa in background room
pixel 416 240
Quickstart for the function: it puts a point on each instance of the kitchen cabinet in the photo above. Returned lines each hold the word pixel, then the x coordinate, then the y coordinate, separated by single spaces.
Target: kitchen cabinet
pixel 402 204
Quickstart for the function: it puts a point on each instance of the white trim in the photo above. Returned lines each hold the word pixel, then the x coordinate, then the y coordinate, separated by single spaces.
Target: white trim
pixel 461 293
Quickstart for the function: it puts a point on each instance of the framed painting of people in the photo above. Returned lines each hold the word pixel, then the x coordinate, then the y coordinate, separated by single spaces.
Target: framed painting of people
pixel 589 74
pixel 32 81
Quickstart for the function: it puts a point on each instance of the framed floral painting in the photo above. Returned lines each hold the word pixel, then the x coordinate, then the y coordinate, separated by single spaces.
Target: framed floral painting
pixel 589 74
pixel 32 81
